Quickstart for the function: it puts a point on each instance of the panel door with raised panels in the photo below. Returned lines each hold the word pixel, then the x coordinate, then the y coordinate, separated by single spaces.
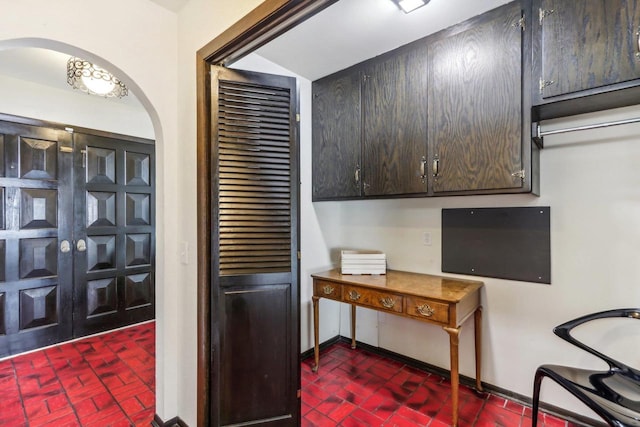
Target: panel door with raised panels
pixel 114 229
pixel 35 229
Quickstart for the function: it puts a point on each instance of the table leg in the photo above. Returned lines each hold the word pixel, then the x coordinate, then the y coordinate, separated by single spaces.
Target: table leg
pixel 478 334
pixel 353 326
pixel 316 333
pixel 455 380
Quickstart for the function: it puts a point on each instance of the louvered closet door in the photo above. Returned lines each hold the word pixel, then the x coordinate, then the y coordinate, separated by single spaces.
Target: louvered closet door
pixel 255 374
pixel 114 230
pixel 35 219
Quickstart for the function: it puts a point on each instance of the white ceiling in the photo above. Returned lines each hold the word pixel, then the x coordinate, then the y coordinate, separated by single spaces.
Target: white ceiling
pixel 351 31
pixel 344 34
pixel 172 5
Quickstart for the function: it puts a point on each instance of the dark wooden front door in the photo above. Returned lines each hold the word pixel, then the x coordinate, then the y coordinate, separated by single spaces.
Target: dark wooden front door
pixel 35 223
pixel 76 234
pixel 114 205
pixel 255 372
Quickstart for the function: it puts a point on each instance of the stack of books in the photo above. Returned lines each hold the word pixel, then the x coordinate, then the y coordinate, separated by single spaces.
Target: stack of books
pixel 363 262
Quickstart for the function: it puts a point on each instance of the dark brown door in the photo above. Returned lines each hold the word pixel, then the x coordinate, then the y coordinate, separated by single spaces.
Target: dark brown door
pixel 114 233
pixel 587 44
pixel 475 106
pixel 337 163
pixel 35 222
pixel 255 372
pixel 394 99
pixel 76 234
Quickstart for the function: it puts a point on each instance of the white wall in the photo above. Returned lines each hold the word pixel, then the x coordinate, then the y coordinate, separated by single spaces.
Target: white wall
pixel 591 181
pixel 33 100
pixel 138 42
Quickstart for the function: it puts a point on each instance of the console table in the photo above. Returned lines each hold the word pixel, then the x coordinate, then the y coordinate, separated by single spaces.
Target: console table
pixel 443 301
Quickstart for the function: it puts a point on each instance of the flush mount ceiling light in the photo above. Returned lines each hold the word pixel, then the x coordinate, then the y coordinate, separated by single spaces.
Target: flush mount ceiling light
pixel 410 5
pixel 89 78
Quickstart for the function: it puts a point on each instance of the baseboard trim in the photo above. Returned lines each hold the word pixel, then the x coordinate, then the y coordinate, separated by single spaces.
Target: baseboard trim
pixel 173 422
pixel 578 419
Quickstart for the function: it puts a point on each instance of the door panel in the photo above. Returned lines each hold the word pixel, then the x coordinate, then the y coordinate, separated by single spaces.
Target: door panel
pixel 394 99
pixel 476 141
pixel 255 324
pixel 35 276
pixel 114 199
pixel 336 133
pixel 587 44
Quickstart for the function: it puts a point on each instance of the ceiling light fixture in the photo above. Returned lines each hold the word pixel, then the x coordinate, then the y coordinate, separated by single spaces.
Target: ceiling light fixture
pixel 410 5
pixel 94 80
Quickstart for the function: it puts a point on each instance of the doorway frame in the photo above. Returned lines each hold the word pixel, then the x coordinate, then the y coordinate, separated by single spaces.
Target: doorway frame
pixel 267 21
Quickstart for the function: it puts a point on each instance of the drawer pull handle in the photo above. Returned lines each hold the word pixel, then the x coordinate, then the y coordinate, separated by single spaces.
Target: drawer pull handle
pixel 328 290
pixel 387 302
pixel 425 310
pixel 353 295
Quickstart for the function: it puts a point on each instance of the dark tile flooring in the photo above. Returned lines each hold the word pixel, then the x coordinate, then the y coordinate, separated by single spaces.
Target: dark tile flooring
pixel 104 380
pixel 109 381
pixel 357 388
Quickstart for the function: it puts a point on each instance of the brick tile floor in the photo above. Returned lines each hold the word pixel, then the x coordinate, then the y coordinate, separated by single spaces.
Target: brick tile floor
pixel 357 388
pixel 104 380
pixel 109 381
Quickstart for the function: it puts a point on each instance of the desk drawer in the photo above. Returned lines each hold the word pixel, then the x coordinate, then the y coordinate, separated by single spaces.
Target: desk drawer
pixel 427 309
pixel 371 298
pixel 326 289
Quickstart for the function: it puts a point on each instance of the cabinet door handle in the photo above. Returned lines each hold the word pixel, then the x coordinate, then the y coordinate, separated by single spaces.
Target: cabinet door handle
pixel 638 44
pixel 423 169
pixel 356 175
pixel 436 166
pixel 387 302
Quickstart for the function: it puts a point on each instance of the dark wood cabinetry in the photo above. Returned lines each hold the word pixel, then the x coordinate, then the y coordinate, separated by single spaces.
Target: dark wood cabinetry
pixel 447 114
pixel 586 52
pixel 337 137
pixel 370 128
pixel 475 106
pixel 394 102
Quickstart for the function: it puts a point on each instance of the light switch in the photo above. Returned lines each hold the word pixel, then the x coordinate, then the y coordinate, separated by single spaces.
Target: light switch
pixel 426 238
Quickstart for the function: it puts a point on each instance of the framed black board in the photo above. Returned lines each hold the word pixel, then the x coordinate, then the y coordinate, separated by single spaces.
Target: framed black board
pixel 506 243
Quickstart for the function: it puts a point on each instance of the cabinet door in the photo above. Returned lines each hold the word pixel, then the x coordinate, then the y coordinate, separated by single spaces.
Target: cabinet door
pixel 587 44
pixel 336 137
pixel 475 106
pixel 394 98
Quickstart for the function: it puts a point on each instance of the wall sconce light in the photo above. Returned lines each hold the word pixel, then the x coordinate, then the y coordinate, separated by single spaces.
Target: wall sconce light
pixel 94 80
pixel 410 5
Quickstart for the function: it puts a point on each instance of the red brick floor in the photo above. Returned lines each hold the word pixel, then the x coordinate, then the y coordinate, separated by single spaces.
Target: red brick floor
pixel 104 380
pixel 109 381
pixel 357 388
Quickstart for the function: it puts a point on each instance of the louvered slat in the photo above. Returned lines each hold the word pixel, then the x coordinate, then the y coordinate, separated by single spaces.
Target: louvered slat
pixel 254 172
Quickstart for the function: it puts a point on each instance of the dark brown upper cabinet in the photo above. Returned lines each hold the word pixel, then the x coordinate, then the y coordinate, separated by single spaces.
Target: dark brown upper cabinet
pixel 336 135
pixel 476 106
pixel 370 128
pixel 394 131
pixel 447 114
pixel 586 56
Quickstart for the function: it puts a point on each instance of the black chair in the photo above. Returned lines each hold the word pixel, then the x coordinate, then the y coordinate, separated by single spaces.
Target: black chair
pixel 613 394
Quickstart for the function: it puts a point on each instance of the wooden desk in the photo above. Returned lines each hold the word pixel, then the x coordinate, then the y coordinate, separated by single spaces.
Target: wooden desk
pixel 443 301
